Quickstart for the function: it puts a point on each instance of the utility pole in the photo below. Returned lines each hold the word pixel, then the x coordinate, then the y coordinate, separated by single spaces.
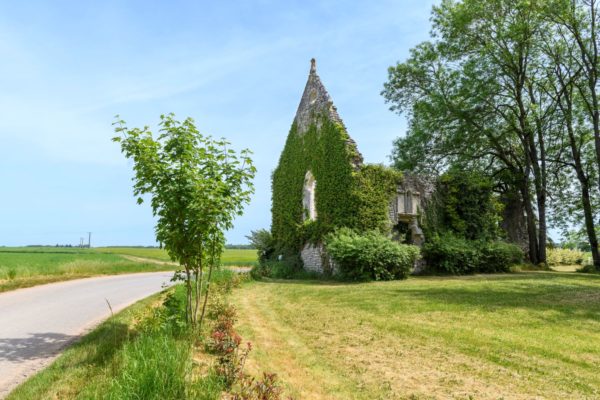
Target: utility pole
pixel 89 240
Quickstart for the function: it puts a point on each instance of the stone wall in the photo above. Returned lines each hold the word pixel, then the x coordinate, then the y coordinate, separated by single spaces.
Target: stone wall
pixel 423 185
pixel 393 211
pixel 312 257
pixel 316 101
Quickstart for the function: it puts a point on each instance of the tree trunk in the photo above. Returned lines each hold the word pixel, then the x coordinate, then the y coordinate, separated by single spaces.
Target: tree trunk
pixel 596 121
pixel 513 219
pixel 589 224
pixel 198 291
pixel 531 227
pixel 206 291
pixel 582 177
pixel 188 287
pixel 589 59
pixel 593 83
pixel 542 230
pixel 540 193
pixel 532 162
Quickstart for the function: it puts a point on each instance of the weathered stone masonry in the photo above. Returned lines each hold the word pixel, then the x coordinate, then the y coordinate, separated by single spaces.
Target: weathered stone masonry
pixel 314 105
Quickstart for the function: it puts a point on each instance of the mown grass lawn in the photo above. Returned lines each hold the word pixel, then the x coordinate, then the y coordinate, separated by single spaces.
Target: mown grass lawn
pixel 517 336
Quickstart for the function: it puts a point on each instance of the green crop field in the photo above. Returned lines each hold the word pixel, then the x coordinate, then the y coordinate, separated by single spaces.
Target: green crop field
pixel 231 257
pixel 144 252
pixel 23 267
pixel 30 266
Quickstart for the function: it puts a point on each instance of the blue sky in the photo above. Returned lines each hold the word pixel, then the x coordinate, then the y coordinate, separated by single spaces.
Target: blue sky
pixel 237 68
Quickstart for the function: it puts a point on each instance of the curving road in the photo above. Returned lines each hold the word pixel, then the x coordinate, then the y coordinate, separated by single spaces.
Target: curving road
pixel 37 323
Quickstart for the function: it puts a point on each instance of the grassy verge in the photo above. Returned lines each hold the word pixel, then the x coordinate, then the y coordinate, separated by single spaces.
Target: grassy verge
pixel 518 336
pixel 85 362
pixel 144 352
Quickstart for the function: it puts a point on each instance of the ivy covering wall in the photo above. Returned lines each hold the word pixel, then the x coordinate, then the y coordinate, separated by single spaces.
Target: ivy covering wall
pixel 356 197
pixel 464 205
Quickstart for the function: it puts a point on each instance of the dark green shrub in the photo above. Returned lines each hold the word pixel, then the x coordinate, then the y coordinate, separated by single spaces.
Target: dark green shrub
pixel 588 269
pixel 282 270
pixel 259 271
pixel 470 209
pixel 452 255
pixel 370 256
pixel 263 241
pixel 458 256
pixel 499 257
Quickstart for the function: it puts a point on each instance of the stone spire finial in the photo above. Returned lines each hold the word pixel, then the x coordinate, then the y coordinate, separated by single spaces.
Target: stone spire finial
pixel 313 66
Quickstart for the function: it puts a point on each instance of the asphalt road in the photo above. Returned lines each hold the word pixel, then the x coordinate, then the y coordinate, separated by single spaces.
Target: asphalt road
pixel 37 323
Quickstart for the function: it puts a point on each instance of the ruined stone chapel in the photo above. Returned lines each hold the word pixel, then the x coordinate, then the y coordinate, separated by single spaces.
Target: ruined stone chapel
pixel 321 183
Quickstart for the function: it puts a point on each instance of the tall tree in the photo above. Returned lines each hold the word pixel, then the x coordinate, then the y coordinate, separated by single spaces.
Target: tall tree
pixel 568 78
pixel 478 88
pixel 579 18
pixel 509 87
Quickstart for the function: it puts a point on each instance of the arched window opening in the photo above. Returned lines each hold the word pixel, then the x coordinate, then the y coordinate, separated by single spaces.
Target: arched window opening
pixel 309 197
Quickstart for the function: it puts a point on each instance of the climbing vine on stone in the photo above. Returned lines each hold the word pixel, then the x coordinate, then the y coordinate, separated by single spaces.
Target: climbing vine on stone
pixel 347 194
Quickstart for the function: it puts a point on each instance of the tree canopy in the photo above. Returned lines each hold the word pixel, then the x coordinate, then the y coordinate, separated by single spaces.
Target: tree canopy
pixel 197 186
pixel 505 88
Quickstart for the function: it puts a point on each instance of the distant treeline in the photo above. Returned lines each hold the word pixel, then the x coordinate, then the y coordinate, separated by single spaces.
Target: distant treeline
pixel 240 246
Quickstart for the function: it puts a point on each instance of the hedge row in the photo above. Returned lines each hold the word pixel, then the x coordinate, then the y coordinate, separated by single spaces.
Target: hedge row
pixel 457 256
pixel 565 257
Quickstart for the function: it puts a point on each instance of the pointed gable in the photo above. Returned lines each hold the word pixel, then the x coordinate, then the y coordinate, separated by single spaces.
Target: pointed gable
pixel 315 101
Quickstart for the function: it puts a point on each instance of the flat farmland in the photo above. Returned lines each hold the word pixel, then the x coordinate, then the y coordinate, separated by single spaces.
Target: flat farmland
pixel 231 257
pixel 25 267
pixel 29 266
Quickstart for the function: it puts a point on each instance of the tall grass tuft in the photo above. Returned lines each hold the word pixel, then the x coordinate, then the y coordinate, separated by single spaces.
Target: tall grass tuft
pixel 154 366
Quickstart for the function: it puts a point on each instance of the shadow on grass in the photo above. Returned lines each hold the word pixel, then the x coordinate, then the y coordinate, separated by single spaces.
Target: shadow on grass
pixel 102 343
pixel 570 295
pixel 551 303
pixel 533 275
